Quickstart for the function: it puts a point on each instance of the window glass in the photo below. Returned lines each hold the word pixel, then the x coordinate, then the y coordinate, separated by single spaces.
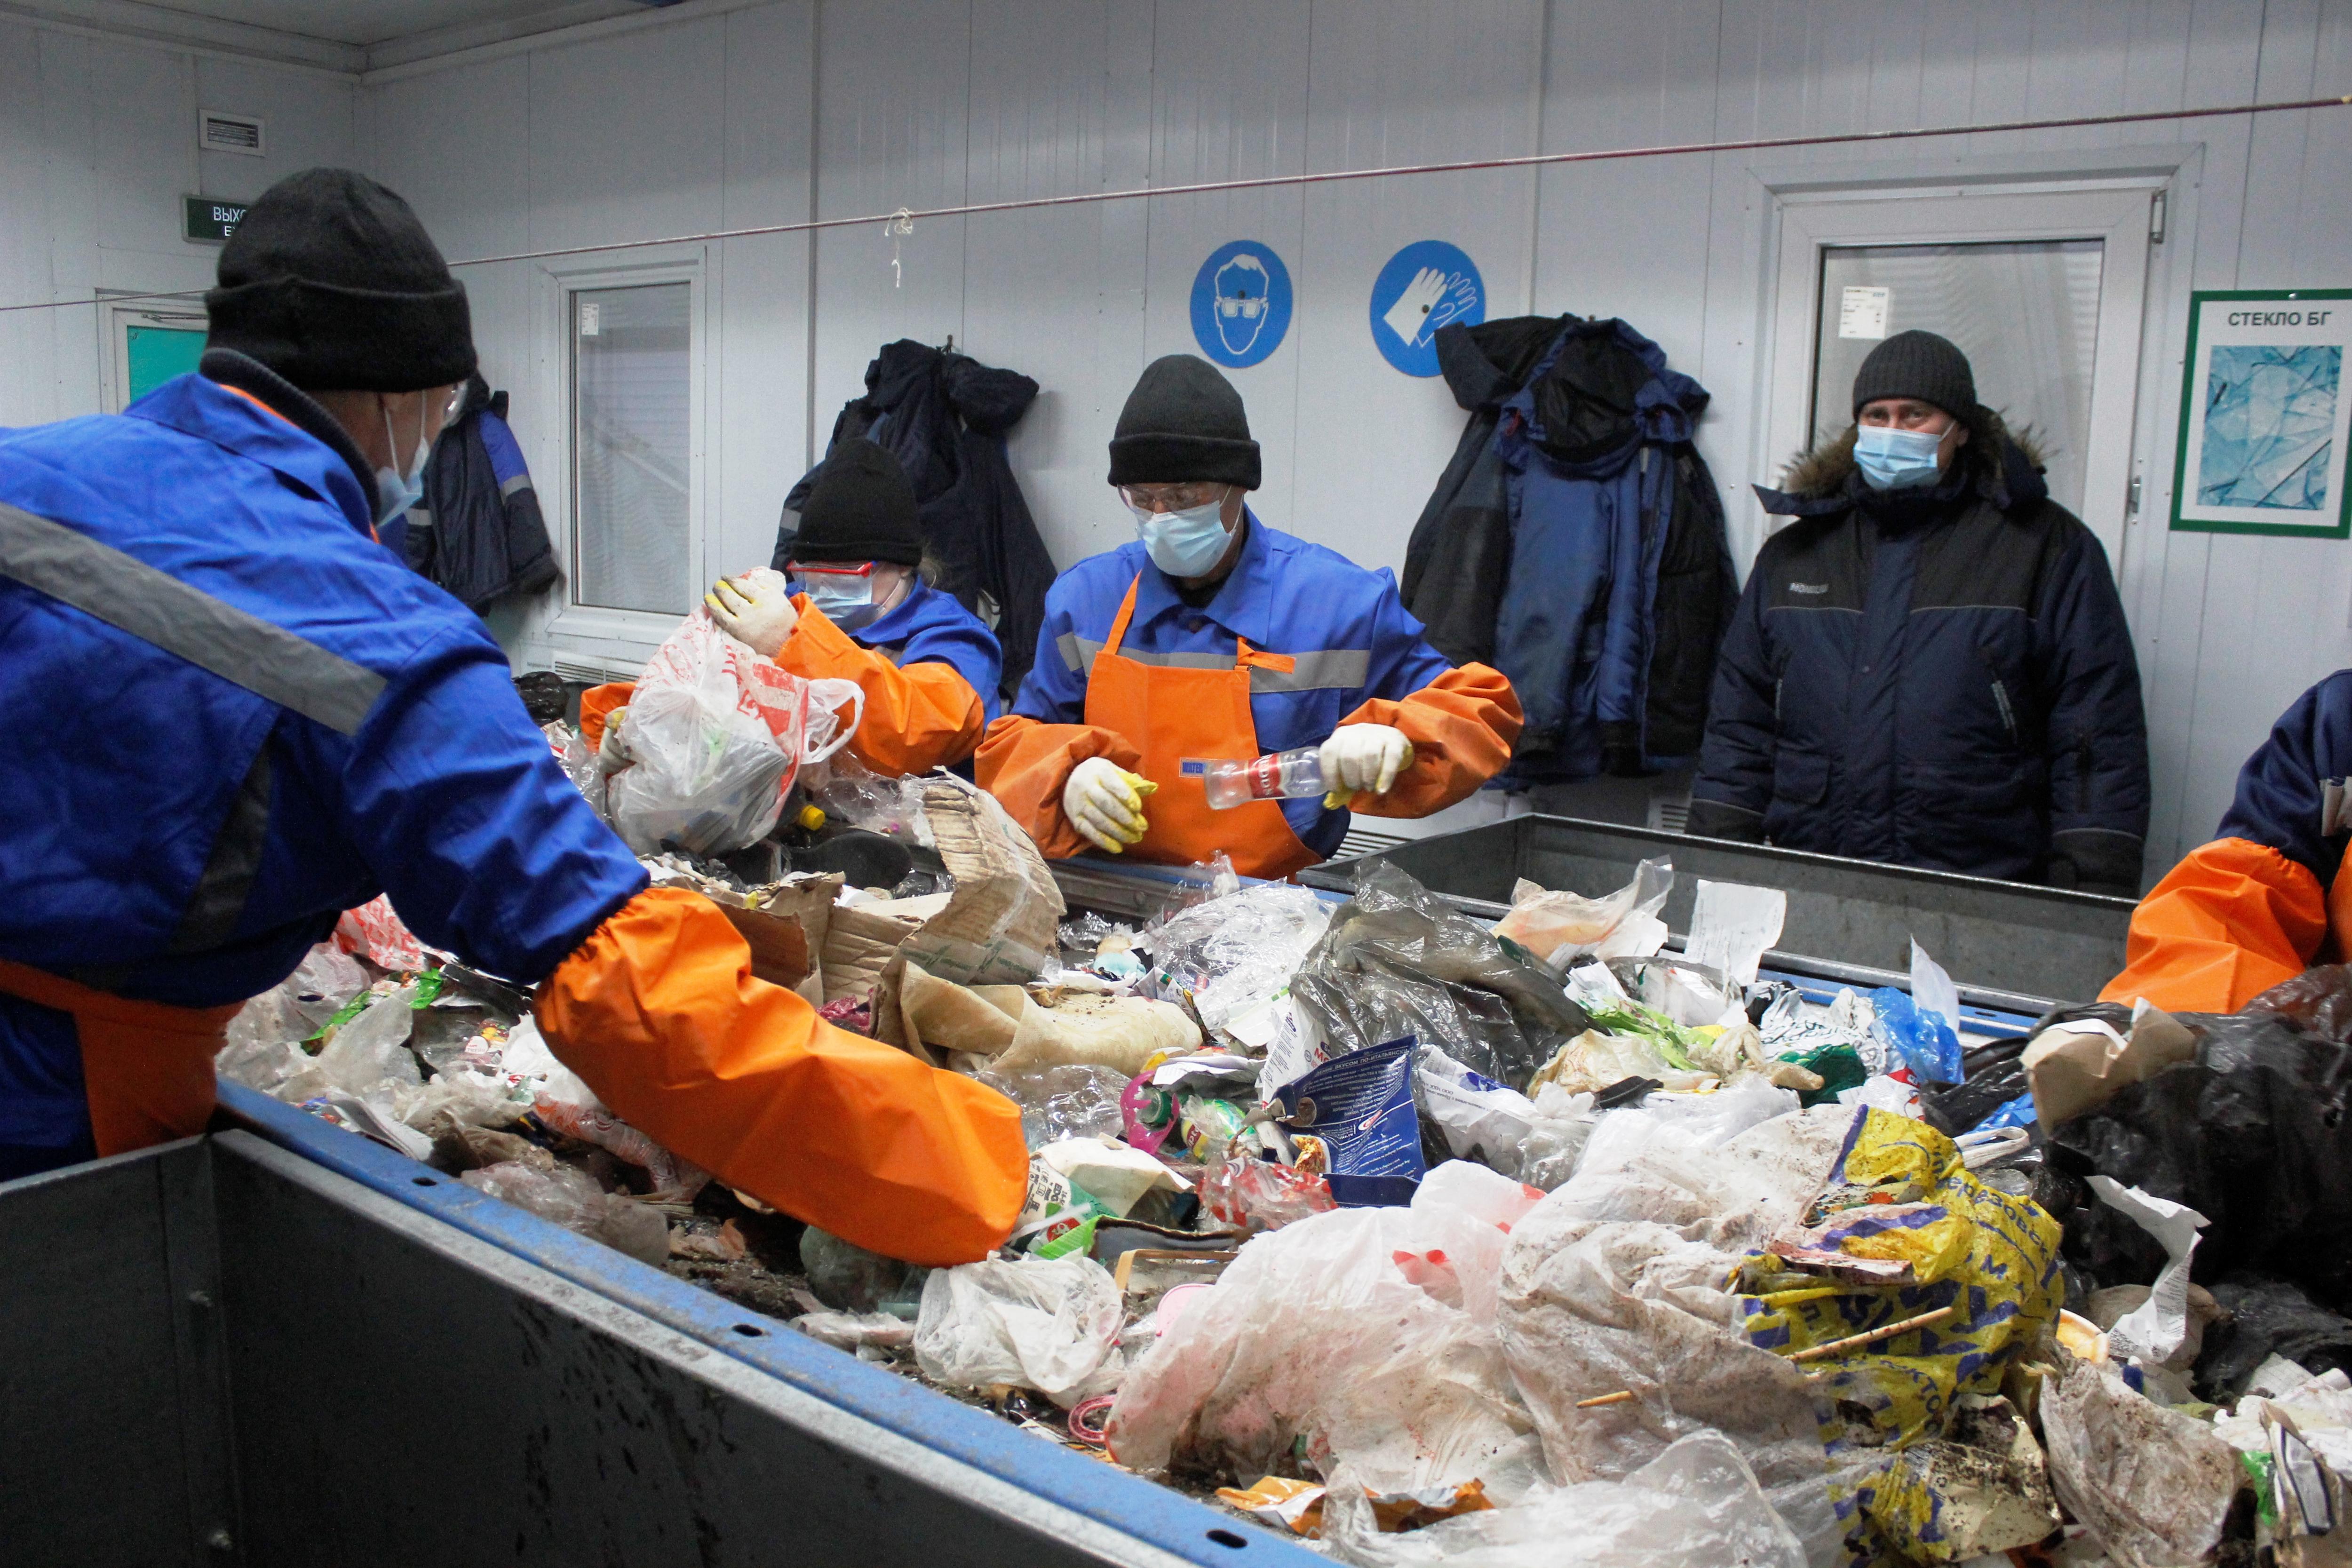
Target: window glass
pixel 632 444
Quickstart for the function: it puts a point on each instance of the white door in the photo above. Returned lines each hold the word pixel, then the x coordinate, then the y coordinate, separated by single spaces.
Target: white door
pixel 2043 290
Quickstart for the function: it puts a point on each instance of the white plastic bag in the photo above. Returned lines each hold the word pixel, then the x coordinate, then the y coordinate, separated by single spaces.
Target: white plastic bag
pixel 715 736
pixel 1370 1332
pixel 1696 1505
pixel 1050 1324
pixel 1560 927
pixel 1479 1117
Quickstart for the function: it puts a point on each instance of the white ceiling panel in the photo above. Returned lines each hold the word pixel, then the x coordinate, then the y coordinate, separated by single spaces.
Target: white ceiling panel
pixel 367 22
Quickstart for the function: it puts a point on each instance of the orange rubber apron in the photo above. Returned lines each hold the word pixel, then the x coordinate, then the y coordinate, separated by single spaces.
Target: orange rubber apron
pixel 1174 713
pixel 146 1067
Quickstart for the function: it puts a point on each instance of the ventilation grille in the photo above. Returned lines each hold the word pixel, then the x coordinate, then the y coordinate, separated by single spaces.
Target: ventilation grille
pixel 1670 813
pixel 1362 841
pixel 220 132
pixel 595 674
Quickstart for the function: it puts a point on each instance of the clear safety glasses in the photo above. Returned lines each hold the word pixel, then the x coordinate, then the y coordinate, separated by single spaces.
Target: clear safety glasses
pixel 1171 498
pixel 1230 305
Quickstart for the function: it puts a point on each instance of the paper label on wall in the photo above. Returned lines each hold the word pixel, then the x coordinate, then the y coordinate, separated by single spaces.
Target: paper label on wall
pixel 1862 311
pixel 592 318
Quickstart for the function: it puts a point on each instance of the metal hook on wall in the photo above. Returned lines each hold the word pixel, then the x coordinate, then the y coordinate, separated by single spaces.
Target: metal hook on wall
pixel 897 225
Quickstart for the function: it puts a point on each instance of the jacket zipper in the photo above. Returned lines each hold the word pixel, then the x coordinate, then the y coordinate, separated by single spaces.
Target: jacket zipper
pixel 2007 714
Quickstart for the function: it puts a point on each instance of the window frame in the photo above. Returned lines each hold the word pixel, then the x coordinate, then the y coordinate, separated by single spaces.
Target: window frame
pixel 115 319
pixel 589 637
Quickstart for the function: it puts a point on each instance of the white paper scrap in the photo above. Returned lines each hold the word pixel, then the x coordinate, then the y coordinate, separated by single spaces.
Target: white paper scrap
pixel 2157 1328
pixel 1733 925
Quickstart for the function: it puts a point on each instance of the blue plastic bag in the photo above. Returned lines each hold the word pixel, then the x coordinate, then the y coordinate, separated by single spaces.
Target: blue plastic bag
pixel 1923 1041
pixel 2018 1112
pixel 1360 1105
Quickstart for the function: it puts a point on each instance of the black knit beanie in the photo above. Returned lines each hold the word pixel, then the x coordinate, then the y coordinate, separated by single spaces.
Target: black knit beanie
pixel 860 509
pixel 1917 364
pixel 331 282
pixel 1183 422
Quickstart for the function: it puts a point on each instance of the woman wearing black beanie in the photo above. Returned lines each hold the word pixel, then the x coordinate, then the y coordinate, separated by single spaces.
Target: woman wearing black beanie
pixel 859 609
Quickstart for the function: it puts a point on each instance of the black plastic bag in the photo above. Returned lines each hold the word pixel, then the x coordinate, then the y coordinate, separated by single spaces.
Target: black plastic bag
pixel 1397 960
pixel 1990 1077
pixel 2267 1318
pixel 2252 1134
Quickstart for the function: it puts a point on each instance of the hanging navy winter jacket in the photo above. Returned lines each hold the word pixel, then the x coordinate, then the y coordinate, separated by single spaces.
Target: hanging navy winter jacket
pixel 1937 677
pixel 478 532
pixel 1621 580
pixel 944 416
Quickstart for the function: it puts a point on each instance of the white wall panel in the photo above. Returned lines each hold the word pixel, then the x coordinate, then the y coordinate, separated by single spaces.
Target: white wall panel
pixel 893 98
pixel 1390 83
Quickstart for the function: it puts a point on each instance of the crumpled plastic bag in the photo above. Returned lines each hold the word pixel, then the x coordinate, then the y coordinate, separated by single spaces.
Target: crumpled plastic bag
pixel 1050 1324
pixel 1370 1332
pixel 1695 1505
pixel 1397 961
pixel 1231 954
pixel 715 736
pixel 572 1199
pixel 1624 1279
pixel 2152 1484
pixel 1902 1227
pixel 1561 927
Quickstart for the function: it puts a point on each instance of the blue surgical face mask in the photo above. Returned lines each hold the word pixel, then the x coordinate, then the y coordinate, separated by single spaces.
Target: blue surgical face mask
pixel 397 491
pixel 1893 459
pixel 1183 543
pixel 846 599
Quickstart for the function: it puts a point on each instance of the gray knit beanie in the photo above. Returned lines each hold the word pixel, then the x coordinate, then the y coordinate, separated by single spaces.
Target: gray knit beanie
pixel 1917 364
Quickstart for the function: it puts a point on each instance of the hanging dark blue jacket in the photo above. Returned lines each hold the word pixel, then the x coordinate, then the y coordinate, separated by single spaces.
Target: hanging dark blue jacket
pixel 944 416
pixel 1620 579
pixel 1937 677
pixel 478 532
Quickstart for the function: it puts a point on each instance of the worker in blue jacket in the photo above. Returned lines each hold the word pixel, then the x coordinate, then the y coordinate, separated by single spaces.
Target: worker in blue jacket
pixel 1211 637
pixel 237 714
pixel 1930 664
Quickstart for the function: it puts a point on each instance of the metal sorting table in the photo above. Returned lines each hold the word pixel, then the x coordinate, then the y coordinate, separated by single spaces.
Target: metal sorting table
pixel 290 1345
pixel 2011 947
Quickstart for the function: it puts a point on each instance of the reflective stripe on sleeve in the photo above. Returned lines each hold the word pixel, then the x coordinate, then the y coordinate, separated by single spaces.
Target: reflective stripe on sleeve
pixel 159 609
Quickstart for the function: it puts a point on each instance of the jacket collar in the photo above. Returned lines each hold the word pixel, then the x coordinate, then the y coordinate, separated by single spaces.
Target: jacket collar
pixel 273 424
pixel 1242 603
pixel 922 606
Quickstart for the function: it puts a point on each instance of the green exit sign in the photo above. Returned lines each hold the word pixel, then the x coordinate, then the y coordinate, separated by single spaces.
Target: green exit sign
pixel 208 220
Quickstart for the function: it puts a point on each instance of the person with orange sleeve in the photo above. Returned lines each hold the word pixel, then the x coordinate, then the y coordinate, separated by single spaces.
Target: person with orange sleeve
pixel 332 727
pixel 864 613
pixel 2262 901
pixel 1213 636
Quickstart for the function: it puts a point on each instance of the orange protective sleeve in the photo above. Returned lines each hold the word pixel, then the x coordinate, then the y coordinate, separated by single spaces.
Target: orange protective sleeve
pixel 2229 923
pixel 659 1012
pixel 599 703
pixel 1024 763
pixel 1461 726
pixel 923 716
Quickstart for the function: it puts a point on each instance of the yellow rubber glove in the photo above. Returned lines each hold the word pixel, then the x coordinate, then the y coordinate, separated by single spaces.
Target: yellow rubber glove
pixel 1105 803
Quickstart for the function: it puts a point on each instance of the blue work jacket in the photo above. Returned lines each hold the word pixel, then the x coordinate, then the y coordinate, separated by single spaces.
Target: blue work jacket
pixel 177 836
pixel 928 627
pixel 1352 638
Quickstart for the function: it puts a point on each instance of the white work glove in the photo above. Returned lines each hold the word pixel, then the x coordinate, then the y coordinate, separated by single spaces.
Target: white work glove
pixel 1105 803
pixel 612 751
pixel 1363 759
pixel 754 609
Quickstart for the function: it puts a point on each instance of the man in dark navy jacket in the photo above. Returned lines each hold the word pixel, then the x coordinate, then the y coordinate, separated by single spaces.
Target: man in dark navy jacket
pixel 1930 666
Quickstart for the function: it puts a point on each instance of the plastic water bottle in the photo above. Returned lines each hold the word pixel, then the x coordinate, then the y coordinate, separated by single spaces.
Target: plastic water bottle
pixel 1277 775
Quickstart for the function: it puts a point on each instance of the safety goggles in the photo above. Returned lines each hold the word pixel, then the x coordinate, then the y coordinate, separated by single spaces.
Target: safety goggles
pixel 1230 305
pixel 1172 497
pixel 847 578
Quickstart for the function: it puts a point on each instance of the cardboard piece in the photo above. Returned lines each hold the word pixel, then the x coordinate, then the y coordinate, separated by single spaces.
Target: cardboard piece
pixel 2079 1065
pixel 785 922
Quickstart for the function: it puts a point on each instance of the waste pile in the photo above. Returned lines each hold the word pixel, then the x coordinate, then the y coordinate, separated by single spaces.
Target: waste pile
pixel 1543 1243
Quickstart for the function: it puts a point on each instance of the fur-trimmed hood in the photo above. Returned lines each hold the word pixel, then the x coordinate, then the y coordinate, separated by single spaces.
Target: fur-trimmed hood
pixel 1998 465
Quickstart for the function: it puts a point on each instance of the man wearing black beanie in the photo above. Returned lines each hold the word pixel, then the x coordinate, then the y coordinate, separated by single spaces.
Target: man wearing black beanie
pixel 239 715
pixel 1930 666
pixel 1213 637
